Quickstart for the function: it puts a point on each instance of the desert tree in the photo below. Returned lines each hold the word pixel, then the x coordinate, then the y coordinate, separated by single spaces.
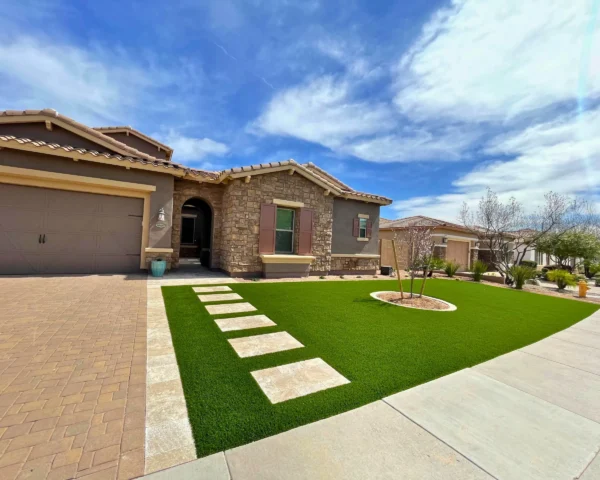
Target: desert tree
pixel 416 245
pixel 509 232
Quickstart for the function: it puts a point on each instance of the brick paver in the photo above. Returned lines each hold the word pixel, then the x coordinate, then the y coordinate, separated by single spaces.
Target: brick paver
pixel 72 377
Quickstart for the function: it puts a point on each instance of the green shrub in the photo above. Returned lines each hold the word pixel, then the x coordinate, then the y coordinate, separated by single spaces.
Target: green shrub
pixel 322 277
pixel 450 268
pixel 597 280
pixel 341 276
pixel 520 275
pixel 478 269
pixel 529 263
pixel 562 278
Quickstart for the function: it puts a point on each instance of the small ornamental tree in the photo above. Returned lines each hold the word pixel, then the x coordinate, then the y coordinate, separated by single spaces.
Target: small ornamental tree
pixel 574 244
pixel 417 242
pixel 509 232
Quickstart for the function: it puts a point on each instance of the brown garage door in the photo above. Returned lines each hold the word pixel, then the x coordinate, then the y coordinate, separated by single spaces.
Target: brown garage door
pixel 458 252
pixel 57 231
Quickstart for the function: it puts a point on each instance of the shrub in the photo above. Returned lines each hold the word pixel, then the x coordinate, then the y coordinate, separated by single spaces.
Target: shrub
pixel 322 277
pixel 478 269
pixel 562 278
pixel 597 280
pixel 450 268
pixel 529 263
pixel 341 276
pixel 520 275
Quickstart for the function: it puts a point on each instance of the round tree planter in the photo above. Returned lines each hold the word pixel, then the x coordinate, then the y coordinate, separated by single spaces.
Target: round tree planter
pixel 449 307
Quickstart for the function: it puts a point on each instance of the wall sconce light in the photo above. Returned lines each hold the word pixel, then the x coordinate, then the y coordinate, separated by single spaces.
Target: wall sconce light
pixel 161 215
pixel 444 240
pixel 477 244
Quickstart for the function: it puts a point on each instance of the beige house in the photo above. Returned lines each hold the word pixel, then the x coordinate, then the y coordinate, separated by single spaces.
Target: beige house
pixel 452 241
pixel 76 199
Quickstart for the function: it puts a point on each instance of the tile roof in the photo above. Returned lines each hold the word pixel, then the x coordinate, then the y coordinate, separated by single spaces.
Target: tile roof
pixel 7 140
pixel 53 114
pixel 127 128
pixel 419 221
pixel 132 155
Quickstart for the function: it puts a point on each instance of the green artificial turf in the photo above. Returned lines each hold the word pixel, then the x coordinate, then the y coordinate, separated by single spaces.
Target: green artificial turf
pixel 381 348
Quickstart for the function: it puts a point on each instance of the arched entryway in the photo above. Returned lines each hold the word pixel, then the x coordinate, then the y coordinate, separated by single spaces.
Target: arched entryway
pixel 196 232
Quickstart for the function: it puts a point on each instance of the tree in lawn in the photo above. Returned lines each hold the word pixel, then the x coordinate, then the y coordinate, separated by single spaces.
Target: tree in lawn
pixel 578 244
pixel 417 244
pixel 508 232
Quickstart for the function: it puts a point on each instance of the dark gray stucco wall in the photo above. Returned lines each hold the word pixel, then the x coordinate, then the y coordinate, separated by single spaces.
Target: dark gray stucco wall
pixel 344 213
pixel 138 144
pixel 161 198
pixel 38 131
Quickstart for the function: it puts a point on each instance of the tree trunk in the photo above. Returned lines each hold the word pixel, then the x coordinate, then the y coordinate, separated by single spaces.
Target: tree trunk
pixel 397 269
pixel 424 280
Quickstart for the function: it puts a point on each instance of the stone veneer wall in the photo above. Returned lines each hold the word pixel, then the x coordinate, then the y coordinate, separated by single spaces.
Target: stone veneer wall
pixel 349 265
pixel 185 190
pixel 474 252
pixel 241 218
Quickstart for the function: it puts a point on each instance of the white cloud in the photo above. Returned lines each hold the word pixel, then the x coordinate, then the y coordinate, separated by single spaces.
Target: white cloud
pixel 323 111
pixel 482 60
pixel 93 85
pixel 561 155
pixel 188 149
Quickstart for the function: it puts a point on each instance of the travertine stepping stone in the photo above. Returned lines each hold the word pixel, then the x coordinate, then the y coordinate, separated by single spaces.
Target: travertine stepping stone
pixel 262 344
pixel 223 288
pixel 219 297
pixel 229 308
pixel 297 379
pixel 244 323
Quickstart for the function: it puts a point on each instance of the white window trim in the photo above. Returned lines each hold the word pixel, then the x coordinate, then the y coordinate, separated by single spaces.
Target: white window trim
pixel 291 252
pixel 365 238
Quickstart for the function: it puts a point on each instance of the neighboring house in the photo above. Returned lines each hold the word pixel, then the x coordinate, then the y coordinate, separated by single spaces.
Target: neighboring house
pixel 452 241
pixel 75 199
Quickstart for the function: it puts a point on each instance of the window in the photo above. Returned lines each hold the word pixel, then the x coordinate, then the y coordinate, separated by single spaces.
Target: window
pixel 284 231
pixel 362 228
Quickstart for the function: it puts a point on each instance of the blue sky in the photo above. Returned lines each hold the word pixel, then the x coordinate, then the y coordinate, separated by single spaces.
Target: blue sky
pixel 428 103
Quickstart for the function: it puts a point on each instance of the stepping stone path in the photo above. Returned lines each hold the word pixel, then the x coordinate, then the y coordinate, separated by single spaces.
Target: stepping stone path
pixel 297 379
pixel 230 308
pixel 262 344
pixel 219 297
pixel 278 383
pixel 244 323
pixel 223 288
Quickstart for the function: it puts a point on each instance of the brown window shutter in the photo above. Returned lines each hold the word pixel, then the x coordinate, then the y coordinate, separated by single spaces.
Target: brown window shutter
pixel 369 228
pixel 356 229
pixel 268 220
pixel 306 231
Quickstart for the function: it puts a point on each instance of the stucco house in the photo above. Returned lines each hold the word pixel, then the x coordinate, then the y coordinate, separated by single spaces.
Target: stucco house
pixel 76 199
pixel 452 241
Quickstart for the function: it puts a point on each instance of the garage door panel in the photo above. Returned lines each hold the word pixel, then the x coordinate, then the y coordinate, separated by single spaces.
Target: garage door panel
pixel 20 220
pixel 73 202
pixel 58 243
pixel 19 263
pixel 85 233
pixel 68 263
pixel 13 196
pixel 72 223
pixel 458 252
pixel 19 242
pixel 118 244
pixel 121 206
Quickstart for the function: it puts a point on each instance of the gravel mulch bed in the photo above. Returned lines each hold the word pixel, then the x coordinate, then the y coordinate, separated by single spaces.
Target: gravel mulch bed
pixel 415 302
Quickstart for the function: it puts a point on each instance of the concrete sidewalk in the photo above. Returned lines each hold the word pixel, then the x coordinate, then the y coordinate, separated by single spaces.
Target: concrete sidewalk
pixel 533 413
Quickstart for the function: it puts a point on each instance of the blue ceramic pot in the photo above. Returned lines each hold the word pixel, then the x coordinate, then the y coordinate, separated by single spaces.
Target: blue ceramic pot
pixel 158 268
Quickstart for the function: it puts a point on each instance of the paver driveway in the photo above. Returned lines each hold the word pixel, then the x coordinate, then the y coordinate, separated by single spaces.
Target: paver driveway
pixel 72 376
